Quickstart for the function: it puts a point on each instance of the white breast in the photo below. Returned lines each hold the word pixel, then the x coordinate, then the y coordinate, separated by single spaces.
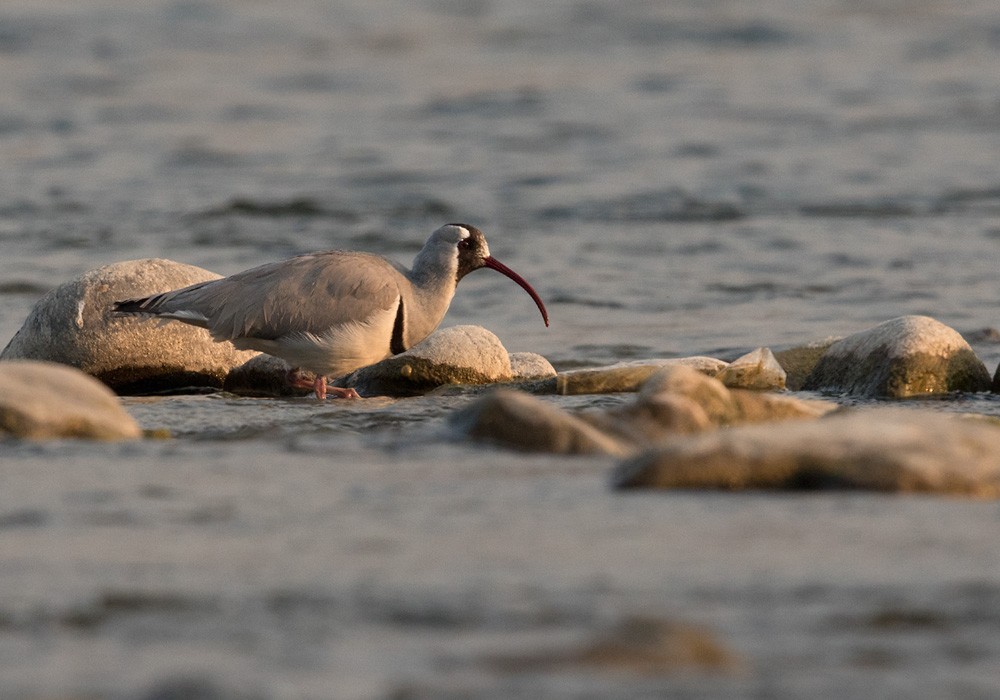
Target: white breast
pixel 335 352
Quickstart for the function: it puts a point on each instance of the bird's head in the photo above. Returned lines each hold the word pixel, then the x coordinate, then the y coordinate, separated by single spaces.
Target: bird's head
pixel 474 253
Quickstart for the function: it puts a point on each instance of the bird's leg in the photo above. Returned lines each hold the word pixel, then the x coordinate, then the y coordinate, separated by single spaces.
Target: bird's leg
pixel 296 378
pixel 319 387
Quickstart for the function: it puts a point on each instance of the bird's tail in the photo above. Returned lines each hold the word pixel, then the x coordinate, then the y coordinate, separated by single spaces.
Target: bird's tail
pixel 165 305
pixel 133 306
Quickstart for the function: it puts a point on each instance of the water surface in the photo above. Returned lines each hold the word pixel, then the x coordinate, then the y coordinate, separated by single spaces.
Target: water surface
pixel 675 179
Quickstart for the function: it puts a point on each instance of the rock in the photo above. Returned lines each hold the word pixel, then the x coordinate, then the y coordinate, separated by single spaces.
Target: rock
pixel 889 450
pixel 676 401
pixel 725 406
pixel 798 362
pixel 645 422
pixel 524 422
pixel 708 392
pixel 626 376
pixel 530 365
pixel 263 375
pixel 906 356
pixel 757 370
pixel 43 400
pixel 73 325
pixel 456 355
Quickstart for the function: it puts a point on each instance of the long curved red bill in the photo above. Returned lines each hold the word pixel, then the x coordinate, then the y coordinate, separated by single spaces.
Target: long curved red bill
pixel 495 264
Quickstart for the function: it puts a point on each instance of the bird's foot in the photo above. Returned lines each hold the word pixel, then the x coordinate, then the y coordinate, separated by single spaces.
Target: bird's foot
pixel 339 392
pixel 300 380
pixel 336 392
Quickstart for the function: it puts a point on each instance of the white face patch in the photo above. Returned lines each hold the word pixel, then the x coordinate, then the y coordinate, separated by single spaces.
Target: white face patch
pixel 463 232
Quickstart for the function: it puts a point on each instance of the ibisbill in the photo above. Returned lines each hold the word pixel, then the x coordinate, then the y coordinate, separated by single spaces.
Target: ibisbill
pixel 333 311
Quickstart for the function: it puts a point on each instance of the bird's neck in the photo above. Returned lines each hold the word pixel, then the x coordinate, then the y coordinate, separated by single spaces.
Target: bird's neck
pixel 434 278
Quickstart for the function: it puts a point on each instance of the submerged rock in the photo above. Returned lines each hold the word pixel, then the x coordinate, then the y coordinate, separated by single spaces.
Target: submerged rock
pixel 906 356
pixel 626 376
pixel 878 450
pixel 43 400
pixel 455 355
pixel 521 421
pixel 73 325
pixel 757 370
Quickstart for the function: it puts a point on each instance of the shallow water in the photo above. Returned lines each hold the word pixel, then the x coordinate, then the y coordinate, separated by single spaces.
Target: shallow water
pixel 681 179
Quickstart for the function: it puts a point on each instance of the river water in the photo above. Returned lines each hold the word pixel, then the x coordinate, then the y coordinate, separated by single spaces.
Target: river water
pixel 674 178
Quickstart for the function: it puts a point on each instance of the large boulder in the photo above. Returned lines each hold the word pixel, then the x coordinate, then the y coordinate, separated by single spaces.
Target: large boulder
pixel 455 355
pixel 889 450
pixel 906 356
pixel 42 400
pixel 73 325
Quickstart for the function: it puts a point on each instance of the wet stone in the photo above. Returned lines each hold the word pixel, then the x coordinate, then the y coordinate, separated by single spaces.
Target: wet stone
pixel 886 450
pixel 73 324
pixel 455 355
pixel 906 356
pixel 44 400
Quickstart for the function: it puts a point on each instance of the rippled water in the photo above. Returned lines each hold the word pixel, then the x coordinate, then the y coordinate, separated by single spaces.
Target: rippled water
pixel 675 178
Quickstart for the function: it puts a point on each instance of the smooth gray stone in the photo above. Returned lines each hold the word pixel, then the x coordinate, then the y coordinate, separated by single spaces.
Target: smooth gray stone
pixel 73 325
pixel 455 355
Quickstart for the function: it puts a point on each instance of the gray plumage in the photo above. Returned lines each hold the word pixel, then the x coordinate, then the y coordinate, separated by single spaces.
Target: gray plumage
pixel 333 311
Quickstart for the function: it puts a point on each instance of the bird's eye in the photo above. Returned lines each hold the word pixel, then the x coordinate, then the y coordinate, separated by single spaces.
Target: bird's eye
pixel 464 244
